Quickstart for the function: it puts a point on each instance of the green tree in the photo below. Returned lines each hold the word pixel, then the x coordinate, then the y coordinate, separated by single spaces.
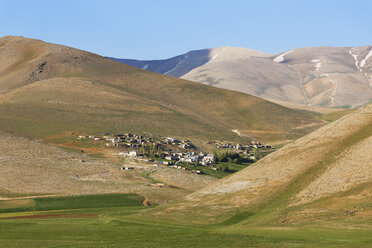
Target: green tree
pixel 160 151
pixel 223 168
pixel 257 154
pixel 143 149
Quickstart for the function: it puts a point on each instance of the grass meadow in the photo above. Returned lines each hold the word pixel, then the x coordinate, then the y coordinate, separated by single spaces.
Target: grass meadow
pixel 107 221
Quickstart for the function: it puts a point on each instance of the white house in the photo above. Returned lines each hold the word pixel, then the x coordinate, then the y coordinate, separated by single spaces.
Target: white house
pixel 132 153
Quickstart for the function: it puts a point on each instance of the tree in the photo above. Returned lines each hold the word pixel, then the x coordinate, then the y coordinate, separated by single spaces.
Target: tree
pixel 160 151
pixel 223 168
pixel 257 154
pixel 143 149
pixel 216 156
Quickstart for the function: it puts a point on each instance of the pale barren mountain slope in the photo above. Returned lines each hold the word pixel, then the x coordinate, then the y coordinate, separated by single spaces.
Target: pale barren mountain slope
pixel 47 89
pixel 252 75
pixel 315 77
pixel 333 76
pixel 321 76
pixel 231 53
pixel 332 160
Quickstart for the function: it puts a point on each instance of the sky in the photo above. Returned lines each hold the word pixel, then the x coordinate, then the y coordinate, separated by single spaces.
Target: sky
pixel 157 29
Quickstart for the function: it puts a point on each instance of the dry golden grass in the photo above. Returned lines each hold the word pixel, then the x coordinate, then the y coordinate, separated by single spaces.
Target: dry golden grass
pixel 296 183
pixel 31 169
pixel 47 89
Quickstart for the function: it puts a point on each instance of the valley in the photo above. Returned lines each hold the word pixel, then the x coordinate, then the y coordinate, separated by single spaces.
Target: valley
pixel 96 153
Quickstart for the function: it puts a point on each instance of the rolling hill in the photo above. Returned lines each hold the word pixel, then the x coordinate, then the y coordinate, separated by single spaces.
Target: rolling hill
pixel 318 76
pixel 31 169
pixel 320 180
pixel 47 89
pixel 323 178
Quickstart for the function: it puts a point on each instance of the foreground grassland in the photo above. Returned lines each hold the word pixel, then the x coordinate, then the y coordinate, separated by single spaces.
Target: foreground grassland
pixel 107 221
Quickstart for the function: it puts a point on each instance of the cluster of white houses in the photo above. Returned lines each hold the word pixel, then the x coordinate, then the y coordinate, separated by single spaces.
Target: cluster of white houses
pixel 173 151
pixel 135 141
pixel 175 158
pixel 244 149
pixel 190 157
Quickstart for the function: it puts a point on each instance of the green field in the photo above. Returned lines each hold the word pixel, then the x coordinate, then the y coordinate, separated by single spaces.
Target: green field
pixel 333 116
pixel 217 173
pixel 114 220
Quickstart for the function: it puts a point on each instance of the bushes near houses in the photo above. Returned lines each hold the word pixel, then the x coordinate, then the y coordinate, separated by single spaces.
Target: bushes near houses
pixel 225 156
pixel 151 150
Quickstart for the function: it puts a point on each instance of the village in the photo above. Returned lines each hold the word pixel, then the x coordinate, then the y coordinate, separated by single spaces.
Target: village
pixel 180 154
pixel 241 149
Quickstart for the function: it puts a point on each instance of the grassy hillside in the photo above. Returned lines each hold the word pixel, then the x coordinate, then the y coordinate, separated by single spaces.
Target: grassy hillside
pixel 331 117
pixel 47 89
pixel 321 180
pixel 32 169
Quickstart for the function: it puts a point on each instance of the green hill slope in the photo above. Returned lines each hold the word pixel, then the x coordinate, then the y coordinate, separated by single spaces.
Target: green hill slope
pixel 46 89
pixel 323 178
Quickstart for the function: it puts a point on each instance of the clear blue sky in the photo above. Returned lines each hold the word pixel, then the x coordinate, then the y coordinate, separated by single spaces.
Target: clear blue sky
pixel 151 29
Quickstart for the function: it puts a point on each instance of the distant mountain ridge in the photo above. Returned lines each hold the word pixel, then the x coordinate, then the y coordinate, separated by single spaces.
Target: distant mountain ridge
pixel 182 64
pixel 315 76
pixel 176 66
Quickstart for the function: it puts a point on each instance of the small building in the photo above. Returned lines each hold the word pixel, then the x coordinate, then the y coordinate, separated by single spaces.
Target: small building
pixel 170 157
pixel 132 153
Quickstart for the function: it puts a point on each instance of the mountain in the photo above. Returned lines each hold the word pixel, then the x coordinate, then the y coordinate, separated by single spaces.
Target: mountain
pixel 176 66
pixel 325 176
pixel 332 76
pixel 180 65
pixel 318 76
pixel 46 89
